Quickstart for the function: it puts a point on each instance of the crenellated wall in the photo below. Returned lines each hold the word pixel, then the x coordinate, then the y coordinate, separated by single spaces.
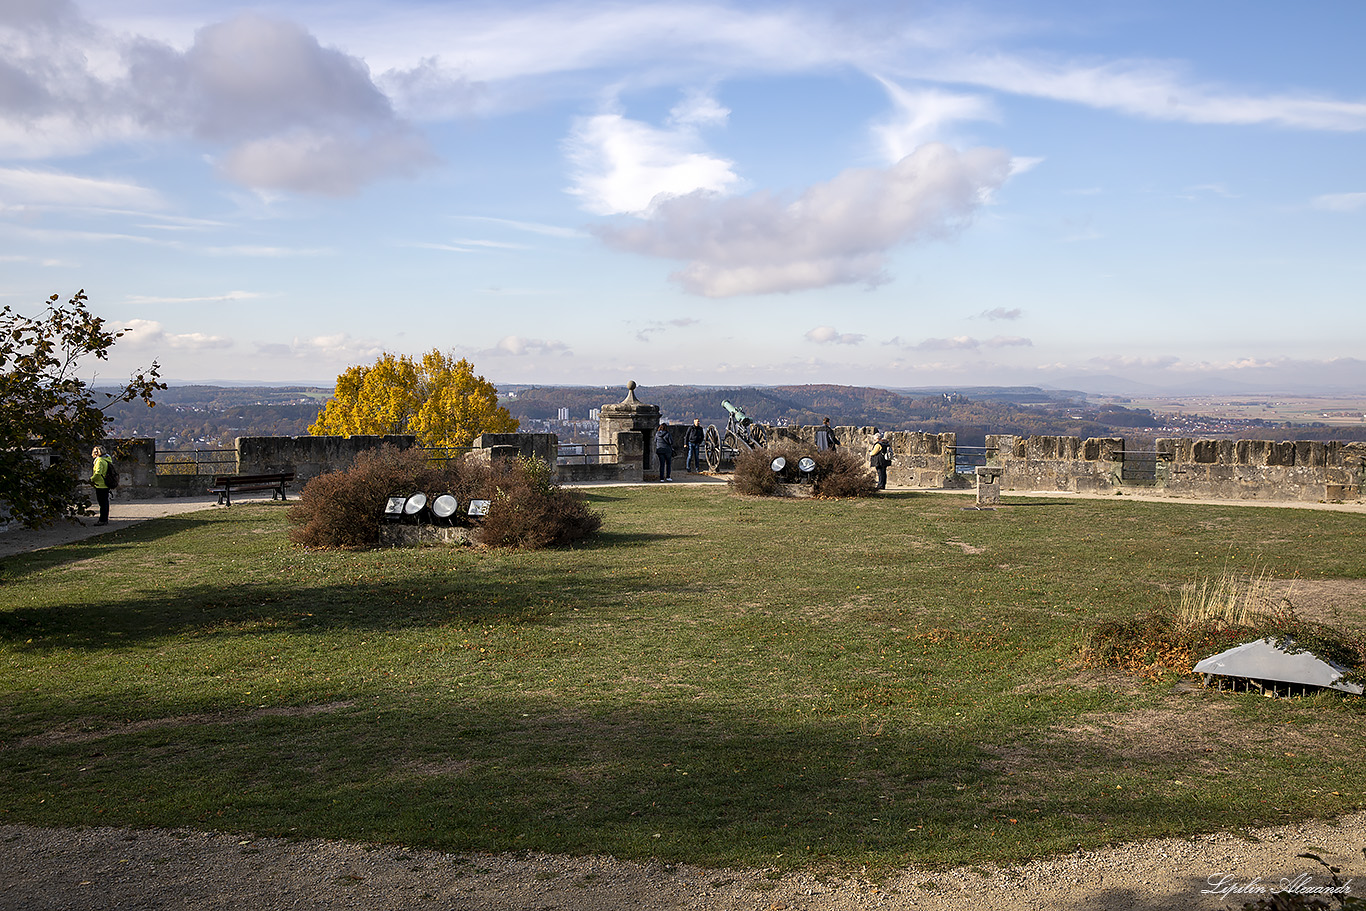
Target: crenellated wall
pixel 1057 463
pixel 1198 469
pixel 1261 470
pixel 1208 469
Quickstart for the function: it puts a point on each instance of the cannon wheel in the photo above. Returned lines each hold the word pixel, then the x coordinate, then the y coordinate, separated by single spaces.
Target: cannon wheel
pixel 711 447
pixel 731 445
pixel 759 435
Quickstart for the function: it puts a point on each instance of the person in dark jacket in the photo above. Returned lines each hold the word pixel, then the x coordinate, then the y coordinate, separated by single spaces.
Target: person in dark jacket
pixel 825 436
pixel 692 438
pixel 880 458
pixel 664 449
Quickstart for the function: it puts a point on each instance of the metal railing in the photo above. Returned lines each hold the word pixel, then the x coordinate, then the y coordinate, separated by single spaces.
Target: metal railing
pixel 967 459
pixel 436 454
pixel 196 462
pixel 586 453
pixel 1139 464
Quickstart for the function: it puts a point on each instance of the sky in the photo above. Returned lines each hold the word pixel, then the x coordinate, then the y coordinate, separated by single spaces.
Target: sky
pixel 1112 196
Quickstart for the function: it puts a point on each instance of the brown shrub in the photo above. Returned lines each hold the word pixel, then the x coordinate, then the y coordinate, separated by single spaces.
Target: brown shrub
pixel 838 473
pixel 753 475
pixel 529 510
pixel 343 508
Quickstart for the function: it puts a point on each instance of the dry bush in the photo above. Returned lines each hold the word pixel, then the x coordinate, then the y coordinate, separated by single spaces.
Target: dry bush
pixel 343 508
pixel 1214 616
pixel 754 478
pixel 527 509
pixel 838 473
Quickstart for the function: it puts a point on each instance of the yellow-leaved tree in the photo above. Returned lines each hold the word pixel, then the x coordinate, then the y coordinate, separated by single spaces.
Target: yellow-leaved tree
pixel 438 399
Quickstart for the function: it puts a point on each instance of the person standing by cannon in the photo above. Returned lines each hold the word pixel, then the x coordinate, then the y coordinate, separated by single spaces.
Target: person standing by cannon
pixel 692 439
pixel 664 449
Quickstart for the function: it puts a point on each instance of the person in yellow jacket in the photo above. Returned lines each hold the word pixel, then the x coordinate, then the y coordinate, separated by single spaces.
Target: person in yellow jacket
pixel 98 481
pixel 880 458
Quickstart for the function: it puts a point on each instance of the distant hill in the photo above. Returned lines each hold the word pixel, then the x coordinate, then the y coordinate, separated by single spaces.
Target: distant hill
pixel 211 417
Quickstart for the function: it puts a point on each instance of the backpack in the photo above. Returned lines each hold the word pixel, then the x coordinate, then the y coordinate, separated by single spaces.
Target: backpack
pixel 111 476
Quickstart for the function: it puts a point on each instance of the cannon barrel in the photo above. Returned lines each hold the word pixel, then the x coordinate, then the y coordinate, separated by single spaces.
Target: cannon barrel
pixel 737 413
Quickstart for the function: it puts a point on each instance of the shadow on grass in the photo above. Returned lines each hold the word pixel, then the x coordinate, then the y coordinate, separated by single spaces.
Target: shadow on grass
pixel 719 786
pixel 615 539
pixel 16 566
pixel 370 603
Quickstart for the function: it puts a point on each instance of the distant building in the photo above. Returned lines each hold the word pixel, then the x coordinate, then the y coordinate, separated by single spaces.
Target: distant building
pixel 564 414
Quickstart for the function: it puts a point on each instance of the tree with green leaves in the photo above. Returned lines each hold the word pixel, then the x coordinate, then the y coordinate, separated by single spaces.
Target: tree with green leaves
pixel 45 405
pixel 437 398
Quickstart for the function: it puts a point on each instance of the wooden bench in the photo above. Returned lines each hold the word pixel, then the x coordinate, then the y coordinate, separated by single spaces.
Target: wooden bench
pixel 225 485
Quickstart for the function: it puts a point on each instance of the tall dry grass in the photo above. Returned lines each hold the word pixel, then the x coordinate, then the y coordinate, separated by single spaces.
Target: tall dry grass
pixel 1232 600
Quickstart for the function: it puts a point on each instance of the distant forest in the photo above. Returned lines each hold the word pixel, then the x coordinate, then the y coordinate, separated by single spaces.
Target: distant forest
pixel 212 417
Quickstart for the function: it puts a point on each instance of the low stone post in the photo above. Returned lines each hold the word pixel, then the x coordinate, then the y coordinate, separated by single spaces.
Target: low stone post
pixel 988 485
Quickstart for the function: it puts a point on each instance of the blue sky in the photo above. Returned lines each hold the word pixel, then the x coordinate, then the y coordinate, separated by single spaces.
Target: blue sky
pixel 891 194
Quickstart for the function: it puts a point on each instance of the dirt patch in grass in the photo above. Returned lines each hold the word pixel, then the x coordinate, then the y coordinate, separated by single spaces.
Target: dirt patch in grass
pixel 967 548
pixel 1324 600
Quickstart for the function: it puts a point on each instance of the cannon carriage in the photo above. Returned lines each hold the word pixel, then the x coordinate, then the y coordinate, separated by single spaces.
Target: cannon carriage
pixel 741 435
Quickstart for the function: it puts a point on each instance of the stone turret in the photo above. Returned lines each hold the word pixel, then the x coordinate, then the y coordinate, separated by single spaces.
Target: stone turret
pixel 629 426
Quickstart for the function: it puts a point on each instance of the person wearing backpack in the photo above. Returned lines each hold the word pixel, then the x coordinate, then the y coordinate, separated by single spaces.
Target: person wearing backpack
pixel 880 458
pixel 100 477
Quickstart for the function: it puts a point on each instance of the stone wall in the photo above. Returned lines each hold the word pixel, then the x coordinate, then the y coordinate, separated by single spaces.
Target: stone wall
pixel 1261 470
pixel 307 456
pixel 1198 469
pixel 1057 463
pixel 1222 469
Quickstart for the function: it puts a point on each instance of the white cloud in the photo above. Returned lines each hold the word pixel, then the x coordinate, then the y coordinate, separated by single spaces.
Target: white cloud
pixel 337 349
pixel 922 115
pixel 996 313
pixel 141 334
pixel 829 335
pixel 1008 341
pixel 837 232
pixel 1340 202
pixel 516 346
pixel 623 165
pixel 957 343
pixel 287 113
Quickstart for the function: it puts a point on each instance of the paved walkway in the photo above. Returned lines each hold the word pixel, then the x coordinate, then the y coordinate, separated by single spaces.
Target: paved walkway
pixel 122 514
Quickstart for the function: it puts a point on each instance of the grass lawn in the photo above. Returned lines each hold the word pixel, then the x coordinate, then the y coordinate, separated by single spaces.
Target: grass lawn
pixel 723 681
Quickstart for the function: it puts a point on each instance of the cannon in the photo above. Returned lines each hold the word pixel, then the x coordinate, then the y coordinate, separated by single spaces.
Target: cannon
pixel 742 434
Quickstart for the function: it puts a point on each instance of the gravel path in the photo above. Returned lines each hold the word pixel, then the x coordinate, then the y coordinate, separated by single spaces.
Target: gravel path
pixel 50 869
